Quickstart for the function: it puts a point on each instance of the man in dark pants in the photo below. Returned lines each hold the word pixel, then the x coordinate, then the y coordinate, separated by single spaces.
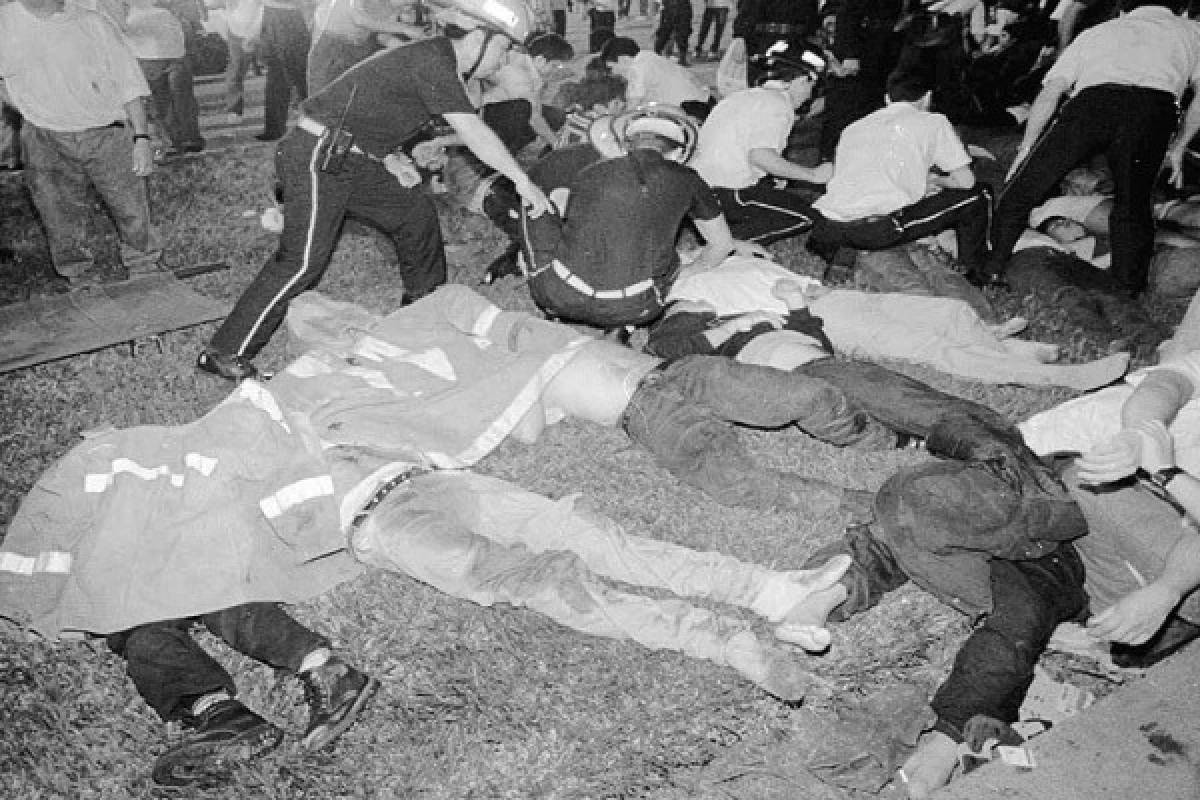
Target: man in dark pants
pixel 380 104
pixel 763 23
pixel 675 25
pixel 181 682
pixel 1125 107
pixel 867 44
pixel 283 47
pixel 994 543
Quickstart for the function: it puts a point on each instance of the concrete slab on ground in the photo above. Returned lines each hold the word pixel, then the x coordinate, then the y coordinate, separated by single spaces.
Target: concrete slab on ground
pixel 1140 743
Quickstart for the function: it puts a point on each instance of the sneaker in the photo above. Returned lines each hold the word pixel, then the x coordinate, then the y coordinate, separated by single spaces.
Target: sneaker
pixel 224 735
pixel 224 365
pixel 336 692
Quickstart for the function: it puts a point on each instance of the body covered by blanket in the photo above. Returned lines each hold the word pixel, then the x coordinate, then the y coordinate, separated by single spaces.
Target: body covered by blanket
pixel 251 502
pixel 941 332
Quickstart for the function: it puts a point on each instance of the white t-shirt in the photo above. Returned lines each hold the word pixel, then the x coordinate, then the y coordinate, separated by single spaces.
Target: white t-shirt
pixel 655 79
pixel 883 161
pixel 153 33
pixel 1157 50
pixel 1083 423
pixel 744 121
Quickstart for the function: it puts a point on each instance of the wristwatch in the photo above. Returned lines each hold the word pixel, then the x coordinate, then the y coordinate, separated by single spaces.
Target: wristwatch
pixel 1160 477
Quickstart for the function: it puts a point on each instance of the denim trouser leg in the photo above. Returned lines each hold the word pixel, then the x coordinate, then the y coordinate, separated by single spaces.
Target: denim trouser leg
pixel 764 397
pixel 170 669
pixel 952 426
pixel 701 449
pixel 994 668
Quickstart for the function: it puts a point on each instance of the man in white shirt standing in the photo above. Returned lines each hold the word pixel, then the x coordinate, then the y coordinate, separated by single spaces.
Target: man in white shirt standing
pixel 901 173
pixel 1118 85
pixel 84 123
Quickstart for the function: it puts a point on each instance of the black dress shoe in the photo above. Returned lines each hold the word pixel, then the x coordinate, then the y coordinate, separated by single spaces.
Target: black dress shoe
pixel 268 137
pixel 505 264
pixel 1173 637
pixel 229 367
pixel 223 736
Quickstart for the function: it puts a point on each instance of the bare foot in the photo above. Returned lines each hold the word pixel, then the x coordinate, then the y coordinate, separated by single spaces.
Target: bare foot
pixel 929 769
pixel 805 624
pixel 784 592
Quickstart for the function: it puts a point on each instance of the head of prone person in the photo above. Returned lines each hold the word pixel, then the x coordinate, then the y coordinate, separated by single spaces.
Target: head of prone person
pixel 795 72
pixel 483 31
pixel 1062 229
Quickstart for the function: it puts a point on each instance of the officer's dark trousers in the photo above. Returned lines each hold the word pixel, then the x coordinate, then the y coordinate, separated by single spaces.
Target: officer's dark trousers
pixel 1132 127
pixel 315 205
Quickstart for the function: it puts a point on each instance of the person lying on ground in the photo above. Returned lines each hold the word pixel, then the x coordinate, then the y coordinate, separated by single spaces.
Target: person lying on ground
pixel 305 480
pixel 994 546
pixel 941 332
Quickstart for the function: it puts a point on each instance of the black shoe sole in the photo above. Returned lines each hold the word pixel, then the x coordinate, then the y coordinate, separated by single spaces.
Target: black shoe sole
pixel 206 363
pixel 209 760
pixel 327 733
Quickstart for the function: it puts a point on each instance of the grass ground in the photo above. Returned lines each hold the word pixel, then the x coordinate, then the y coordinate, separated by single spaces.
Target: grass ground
pixel 476 703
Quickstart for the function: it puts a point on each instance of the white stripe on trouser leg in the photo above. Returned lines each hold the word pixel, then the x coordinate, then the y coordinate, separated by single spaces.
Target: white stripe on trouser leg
pixel 805 222
pixel 942 212
pixel 314 205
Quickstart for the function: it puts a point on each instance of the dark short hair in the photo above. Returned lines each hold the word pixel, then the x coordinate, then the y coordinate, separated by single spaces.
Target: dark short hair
pixel 908 86
pixel 549 46
pixel 619 46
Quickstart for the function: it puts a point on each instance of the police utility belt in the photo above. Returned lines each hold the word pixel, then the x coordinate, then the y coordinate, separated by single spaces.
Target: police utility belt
pixel 580 285
pixel 320 130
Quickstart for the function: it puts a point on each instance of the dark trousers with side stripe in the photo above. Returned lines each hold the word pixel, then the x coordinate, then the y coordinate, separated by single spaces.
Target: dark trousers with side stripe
pixel 315 205
pixel 764 214
pixel 1132 127
pixel 967 211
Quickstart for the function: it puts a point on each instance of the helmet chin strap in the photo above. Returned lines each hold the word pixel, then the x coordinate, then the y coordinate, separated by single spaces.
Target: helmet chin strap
pixel 487 39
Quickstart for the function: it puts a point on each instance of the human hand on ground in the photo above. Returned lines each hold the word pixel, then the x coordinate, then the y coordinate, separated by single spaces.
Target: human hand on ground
pixel 1135 617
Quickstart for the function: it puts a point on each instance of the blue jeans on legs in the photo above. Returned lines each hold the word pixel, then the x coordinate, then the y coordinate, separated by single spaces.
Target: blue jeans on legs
pixel 682 413
pixel 170 670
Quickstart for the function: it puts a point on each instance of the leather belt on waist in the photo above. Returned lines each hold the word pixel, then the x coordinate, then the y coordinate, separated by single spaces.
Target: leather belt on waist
pixel 319 129
pixel 383 491
pixel 580 285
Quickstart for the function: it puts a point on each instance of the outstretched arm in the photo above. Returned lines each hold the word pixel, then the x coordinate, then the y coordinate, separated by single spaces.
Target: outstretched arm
pixel 1138 615
pixel 1158 398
